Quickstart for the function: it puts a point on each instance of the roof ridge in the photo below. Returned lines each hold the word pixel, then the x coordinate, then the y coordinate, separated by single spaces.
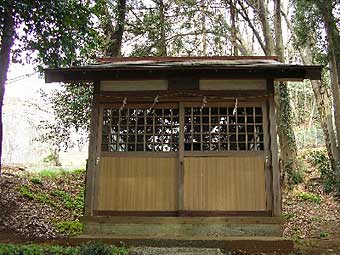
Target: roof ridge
pixel 180 59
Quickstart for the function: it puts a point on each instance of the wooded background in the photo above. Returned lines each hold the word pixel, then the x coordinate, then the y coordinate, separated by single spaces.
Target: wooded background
pixel 70 33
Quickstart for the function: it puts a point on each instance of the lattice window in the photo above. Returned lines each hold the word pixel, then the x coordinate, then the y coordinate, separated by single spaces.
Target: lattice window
pixel 223 129
pixel 140 129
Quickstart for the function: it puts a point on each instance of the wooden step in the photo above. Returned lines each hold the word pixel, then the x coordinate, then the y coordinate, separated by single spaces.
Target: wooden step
pixel 247 244
pixel 181 220
pixel 183 226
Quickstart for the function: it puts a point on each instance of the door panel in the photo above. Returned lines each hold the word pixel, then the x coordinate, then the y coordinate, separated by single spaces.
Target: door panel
pixel 224 184
pixel 137 184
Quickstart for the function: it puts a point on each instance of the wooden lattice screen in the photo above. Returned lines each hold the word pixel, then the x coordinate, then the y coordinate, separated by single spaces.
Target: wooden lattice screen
pixel 140 129
pixel 205 129
pixel 223 129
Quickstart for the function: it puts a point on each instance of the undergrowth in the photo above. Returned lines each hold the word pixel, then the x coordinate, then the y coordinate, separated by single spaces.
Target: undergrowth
pixel 64 191
pixel 93 248
pixel 70 227
pixel 57 173
pixel 69 201
pixel 320 161
pixel 314 198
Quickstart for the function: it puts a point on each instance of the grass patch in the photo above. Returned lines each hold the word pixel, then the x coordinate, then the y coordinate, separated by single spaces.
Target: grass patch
pixel 26 192
pixel 68 201
pixel 71 228
pixel 51 173
pixel 309 197
pixel 57 173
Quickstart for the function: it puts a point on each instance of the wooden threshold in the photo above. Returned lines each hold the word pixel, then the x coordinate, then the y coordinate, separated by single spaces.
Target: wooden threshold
pixel 183 220
pixel 135 213
pixel 183 213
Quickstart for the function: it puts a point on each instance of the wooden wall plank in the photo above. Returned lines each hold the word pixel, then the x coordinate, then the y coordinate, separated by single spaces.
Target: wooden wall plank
pixel 136 85
pixel 224 184
pixel 137 184
pixel 236 84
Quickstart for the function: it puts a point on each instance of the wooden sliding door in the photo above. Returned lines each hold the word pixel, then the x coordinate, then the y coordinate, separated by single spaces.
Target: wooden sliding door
pixel 170 159
pixel 138 167
pixel 224 158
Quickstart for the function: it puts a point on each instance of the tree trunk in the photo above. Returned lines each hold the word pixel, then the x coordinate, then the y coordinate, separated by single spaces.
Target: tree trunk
pixel 325 111
pixel 264 18
pixel 282 101
pixel 333 47
pixel 162 48
pixel 114 34
pixel 7 40
pixel 234 50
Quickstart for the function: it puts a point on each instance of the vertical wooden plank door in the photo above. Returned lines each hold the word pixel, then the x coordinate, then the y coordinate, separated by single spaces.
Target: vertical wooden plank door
pixel 224 158
pixel 137 171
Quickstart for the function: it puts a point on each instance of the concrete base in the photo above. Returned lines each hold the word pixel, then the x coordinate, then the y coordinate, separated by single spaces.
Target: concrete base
pixel 183 226
pixel 247 244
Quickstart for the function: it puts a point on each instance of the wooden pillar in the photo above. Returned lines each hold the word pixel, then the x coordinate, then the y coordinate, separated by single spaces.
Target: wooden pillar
pixel 91 162
pixel 267 155
pixel 181 159
pixel 276 187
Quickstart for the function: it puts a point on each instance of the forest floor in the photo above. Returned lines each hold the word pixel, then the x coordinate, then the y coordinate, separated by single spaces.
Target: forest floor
pixel 47 205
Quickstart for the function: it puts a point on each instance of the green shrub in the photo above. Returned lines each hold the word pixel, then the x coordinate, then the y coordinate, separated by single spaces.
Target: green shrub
pixel 323 234
pixel 98 248
pixel 33 249
pixel 36 181
pixel 95 248
pixel 320 160
pixel 69 227
pixel 297 177
pixel 92 248
pixel 309 197
pixel 120 250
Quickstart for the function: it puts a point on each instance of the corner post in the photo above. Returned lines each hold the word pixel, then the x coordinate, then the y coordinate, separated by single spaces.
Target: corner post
pixel 276 184
pixel 91 162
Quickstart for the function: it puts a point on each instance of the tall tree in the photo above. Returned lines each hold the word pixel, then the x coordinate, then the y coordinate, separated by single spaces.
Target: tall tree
pixel 111 17
pixel 273 45
pixel 284 112
pixel 313 19
pixel 7 39
pixel 56 31
pixel 75 99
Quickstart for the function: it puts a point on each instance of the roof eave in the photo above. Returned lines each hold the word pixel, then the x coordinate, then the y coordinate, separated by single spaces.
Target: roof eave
pixel 281 73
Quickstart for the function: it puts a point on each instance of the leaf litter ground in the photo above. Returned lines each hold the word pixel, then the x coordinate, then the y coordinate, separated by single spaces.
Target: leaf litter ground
pixel 314 225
